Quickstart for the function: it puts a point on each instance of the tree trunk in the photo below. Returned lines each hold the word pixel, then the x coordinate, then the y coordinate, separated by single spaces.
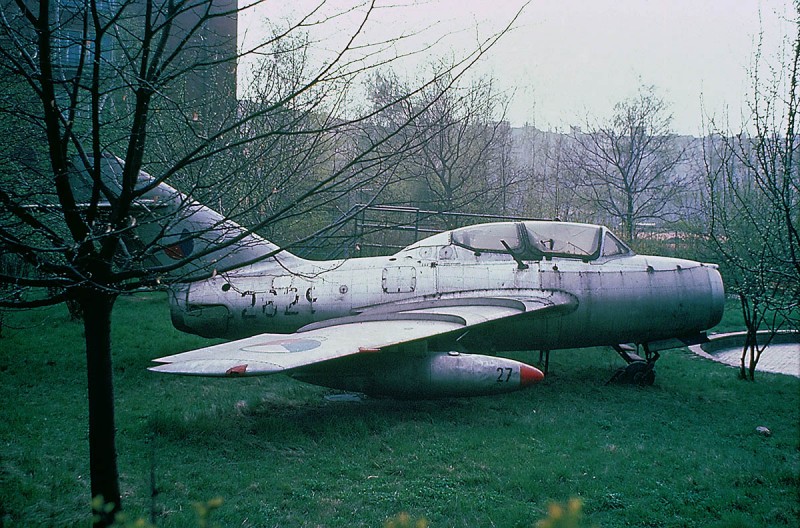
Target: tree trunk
pixel 630 220
pixel 748 315
pixel 753 358
pixel 97 307
pixel 747 366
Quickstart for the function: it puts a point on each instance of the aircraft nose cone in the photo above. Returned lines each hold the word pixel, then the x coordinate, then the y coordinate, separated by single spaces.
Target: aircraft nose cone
pixel 529 375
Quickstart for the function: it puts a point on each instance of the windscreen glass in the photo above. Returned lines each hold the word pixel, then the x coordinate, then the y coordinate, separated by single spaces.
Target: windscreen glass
pixel 488 237
pixel 612 246
pixel 563 239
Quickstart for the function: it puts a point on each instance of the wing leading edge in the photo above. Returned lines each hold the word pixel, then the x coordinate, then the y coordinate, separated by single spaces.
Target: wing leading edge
pixel 372 330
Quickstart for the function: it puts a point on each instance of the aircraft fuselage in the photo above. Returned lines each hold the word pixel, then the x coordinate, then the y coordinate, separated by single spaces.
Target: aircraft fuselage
pixel 619 297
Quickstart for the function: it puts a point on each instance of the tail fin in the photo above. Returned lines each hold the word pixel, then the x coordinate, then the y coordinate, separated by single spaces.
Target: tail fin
pixel 189 241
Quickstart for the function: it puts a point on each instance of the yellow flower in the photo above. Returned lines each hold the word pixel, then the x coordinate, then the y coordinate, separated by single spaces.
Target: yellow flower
pixel 404 520
pixel 555 511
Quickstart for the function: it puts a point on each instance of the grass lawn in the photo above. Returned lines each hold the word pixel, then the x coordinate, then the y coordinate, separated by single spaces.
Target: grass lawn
pixel 682 453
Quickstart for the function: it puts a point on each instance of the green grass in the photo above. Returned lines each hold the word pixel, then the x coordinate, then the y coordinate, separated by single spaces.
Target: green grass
pixel 681 453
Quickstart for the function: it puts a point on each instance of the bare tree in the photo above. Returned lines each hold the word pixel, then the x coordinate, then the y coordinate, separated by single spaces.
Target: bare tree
pixel 150 80
pixel 506 173
pixel 460 161
pixel 753 183
pixel 550 186
pixel 455 164
pixel 626 166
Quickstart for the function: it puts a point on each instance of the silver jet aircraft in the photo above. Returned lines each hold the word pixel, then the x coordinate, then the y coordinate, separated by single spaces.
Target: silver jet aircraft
pixel 430 320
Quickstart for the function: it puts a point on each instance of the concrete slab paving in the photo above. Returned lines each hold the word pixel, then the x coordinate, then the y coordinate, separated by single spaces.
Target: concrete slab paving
pixel 782 357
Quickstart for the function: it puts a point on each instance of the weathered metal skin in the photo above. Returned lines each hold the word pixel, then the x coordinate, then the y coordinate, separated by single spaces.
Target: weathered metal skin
pixel 513 286
pixel 631 298
pixel 600 292
pixel 447 374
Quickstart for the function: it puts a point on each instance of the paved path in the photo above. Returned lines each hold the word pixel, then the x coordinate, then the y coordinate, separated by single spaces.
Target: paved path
pixel 781 358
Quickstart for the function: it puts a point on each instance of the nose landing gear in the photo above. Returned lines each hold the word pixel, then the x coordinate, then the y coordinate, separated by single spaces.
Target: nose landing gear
pixel 638 371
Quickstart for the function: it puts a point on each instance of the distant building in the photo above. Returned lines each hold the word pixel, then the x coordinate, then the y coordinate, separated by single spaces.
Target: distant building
pixel 209 89
pixel 206 91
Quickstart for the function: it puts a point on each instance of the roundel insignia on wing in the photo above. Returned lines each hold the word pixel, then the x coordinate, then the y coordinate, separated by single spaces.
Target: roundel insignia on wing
pixel 298 344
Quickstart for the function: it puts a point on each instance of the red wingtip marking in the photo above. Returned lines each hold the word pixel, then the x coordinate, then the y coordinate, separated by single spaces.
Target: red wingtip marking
pixel 238 370
pixel 529 375
pixel 368 350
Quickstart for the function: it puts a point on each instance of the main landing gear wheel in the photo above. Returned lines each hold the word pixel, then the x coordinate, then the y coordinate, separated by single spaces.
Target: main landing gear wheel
pixel 638 371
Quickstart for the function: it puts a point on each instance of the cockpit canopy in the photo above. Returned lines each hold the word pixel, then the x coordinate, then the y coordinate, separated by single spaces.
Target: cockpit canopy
pixel 535 240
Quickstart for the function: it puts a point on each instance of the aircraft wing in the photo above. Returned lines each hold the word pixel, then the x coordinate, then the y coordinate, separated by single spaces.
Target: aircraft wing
pixel 370 331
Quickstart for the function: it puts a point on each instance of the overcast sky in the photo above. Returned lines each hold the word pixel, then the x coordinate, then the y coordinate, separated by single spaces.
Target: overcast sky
pixel 566 59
